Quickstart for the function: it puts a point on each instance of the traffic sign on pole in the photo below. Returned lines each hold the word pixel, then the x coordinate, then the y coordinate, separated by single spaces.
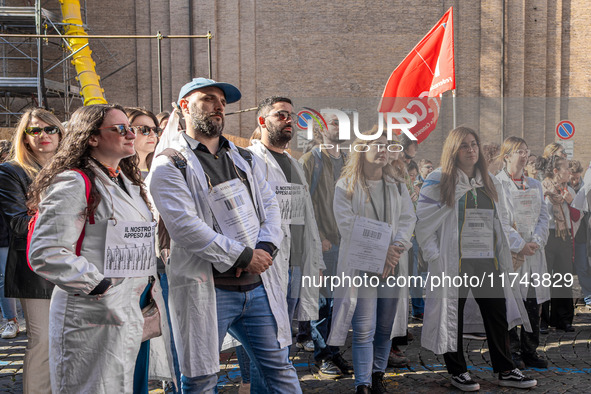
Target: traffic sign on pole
pixel 565 129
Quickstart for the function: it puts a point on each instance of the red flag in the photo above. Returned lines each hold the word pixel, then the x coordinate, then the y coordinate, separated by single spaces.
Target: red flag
pixel 417 83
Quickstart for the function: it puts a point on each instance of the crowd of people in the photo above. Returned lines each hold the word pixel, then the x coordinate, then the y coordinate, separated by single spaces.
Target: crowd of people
pixel 142 245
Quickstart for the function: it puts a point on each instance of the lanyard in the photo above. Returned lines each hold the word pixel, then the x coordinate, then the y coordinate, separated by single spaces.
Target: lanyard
pixel 373 205
pixel 475 197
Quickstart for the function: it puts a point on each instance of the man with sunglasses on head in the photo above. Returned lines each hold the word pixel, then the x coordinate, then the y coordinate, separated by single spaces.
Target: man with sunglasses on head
pixel 225 228
pixel 323 168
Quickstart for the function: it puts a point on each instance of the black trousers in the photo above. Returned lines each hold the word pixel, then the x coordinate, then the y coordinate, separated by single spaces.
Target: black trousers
pixel 560 310
pixel 491 301
pixel 528 343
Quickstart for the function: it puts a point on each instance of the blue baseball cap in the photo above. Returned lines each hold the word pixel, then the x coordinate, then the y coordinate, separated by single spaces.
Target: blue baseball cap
pixel 230 91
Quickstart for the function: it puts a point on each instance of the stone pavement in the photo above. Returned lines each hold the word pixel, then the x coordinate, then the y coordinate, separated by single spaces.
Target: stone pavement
pixel 568 354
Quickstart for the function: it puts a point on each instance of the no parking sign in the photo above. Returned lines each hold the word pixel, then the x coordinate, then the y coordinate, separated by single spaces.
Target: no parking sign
pixel 565 129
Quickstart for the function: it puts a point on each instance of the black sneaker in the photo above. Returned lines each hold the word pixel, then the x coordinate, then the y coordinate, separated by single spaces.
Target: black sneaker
pixel 377 383
pixel 342 364
pixel 517 379
pixel 534 361
pixel 328 369
pixel 517 360
pixel 544 328
pixel 464 382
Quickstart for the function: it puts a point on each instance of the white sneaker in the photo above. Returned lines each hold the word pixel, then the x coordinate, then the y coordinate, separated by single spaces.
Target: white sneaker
pixel 10 330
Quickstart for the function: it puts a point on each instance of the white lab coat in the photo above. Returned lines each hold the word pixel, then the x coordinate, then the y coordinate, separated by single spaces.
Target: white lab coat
pixel 437 233
pixel 312 262
pixel 93 342
pixel 403 224
pixel 196 248
pixel 537 262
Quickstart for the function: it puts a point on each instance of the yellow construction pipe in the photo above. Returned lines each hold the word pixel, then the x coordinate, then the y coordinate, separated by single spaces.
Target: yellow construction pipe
pixel 90 87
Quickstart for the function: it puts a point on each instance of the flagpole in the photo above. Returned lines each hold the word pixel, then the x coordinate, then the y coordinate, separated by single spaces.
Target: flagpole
pixel 453 103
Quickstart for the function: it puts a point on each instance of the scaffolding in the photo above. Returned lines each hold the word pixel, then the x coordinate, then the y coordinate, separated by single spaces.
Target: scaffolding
pixel 35 69
pixel 35 54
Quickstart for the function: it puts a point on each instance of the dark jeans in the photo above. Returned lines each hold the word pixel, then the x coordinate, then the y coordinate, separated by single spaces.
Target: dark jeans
pixel 559 311
pixel 491 301
pixel 528 343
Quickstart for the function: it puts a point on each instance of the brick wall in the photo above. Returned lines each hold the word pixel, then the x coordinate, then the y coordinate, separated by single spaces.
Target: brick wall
pixel 347 49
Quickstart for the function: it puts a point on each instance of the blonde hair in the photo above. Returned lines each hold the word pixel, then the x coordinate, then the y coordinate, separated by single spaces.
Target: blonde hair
pixel 551 149
pixel 510 145
pixel 449 167
pixel 353 169
pixel 21 153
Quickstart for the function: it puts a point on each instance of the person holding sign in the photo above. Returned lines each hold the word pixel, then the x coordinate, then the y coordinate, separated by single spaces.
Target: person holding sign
pixel 462 228
pixel 96 322
pixel 225 228
pixel 300 250
pixel 376 220
pixel 528 217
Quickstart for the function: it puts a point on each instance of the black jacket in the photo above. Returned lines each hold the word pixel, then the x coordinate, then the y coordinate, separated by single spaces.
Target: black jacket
pixel 19 280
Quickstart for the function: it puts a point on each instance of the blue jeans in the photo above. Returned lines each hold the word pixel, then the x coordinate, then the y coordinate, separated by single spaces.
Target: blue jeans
pixel 293 290
pixel 140 374
pixel 583 270
pixel 175 357
pixel 372 325
pixel 416 292
pixel 249 371
pixel 8 305
pixel 247 316
pixel 320 329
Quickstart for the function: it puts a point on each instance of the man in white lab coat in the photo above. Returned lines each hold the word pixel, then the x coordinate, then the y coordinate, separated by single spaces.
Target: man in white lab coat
pixel 224 224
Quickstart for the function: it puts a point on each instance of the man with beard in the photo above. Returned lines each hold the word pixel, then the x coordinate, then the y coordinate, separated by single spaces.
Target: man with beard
pixel 322 167
pixel 300 250
pixel 224 224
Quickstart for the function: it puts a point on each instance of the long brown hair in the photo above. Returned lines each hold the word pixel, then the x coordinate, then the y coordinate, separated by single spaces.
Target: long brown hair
pixel 449 166
pixel 75 154
pixel 21 153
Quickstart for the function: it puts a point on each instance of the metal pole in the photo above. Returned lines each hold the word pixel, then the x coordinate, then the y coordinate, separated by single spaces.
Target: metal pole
pixel 98 36
pixel 159 45
pixel 453 103
pixel 67 57
pixel 209 53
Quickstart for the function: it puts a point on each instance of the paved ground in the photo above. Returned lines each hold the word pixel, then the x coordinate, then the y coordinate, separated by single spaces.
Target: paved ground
pixel 568 354
pixel 569 357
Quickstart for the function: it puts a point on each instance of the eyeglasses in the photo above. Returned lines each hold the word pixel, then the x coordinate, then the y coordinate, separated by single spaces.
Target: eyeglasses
pixel 523 152
pixel 428 167
pixel 333 122
pixel 35 131
pixel 473 146
pixel 120 128
pixel 146 130
pixel 284 116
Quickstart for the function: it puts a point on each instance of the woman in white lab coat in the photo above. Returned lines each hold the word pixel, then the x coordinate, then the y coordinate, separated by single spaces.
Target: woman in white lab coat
pixel 463 194
pixel 528 217
pixel 96 324
pixel 564 221
pixel 368 189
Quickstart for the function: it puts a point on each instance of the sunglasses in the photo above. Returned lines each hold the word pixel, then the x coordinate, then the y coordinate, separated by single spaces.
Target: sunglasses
pixel 146 130
pixel 35 131
pixel 284 115
pixel 120 128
